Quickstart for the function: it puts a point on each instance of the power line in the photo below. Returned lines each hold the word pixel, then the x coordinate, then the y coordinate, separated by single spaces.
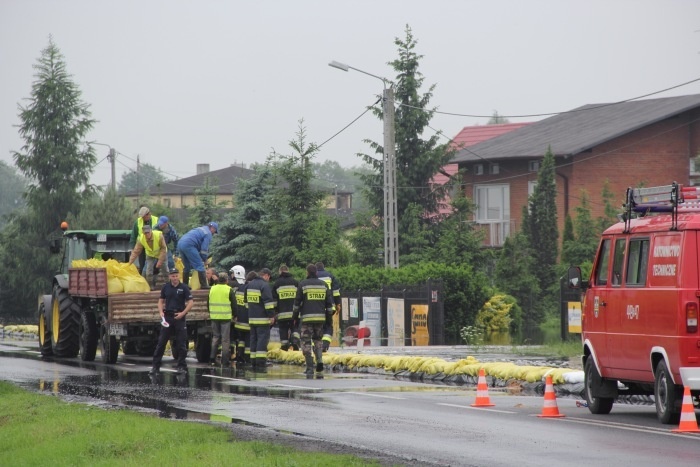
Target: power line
pixel 455 114
pixel 349 124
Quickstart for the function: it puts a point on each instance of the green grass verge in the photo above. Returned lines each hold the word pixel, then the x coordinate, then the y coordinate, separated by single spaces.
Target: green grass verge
pixel 37 430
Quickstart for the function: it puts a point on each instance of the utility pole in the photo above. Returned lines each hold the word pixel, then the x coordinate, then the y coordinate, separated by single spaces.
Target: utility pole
pixel 112 161
pixel 138 185
pixel 391 236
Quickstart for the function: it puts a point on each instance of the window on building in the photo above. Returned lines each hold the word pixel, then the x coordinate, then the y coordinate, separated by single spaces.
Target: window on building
pixel 533 166
pixel 492 203
pixel 531 187
pixel 166 202
pixel 478 169
pixel 637 261
pixel 494 169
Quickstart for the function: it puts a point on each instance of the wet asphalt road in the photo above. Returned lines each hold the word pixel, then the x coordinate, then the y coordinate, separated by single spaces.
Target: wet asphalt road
pixel 422 423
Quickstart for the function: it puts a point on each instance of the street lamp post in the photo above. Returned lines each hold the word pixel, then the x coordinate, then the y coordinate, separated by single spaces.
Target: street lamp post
pixel 391 237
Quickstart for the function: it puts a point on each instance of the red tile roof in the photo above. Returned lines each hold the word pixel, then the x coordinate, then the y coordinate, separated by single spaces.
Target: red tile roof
pixel 471 135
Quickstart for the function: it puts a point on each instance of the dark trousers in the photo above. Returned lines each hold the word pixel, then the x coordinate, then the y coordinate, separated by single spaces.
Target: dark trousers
pixel 285 326
pixel 259 338
pixel 178 328
pixel 242 339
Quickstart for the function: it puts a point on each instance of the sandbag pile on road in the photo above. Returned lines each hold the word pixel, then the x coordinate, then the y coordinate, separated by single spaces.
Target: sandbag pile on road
pixel 464 371
pixel 19 330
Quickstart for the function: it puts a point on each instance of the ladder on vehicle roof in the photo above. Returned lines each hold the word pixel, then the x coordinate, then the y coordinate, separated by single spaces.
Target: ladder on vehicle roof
pixel 673 198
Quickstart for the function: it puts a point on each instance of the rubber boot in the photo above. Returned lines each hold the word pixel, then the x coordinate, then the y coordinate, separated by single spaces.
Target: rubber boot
pixel 203 282
pixel 319 360
pixel 309 365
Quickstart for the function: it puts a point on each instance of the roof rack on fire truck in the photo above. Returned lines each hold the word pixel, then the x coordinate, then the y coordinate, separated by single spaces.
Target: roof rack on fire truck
pixel 673 198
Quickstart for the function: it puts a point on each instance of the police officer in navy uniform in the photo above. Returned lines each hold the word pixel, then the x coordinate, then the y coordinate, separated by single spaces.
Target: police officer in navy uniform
pixel 175 302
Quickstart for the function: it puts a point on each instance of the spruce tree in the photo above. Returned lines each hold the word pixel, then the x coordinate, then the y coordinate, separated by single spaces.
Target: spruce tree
pixel 543 233
pixel 418 158
pixel 57 162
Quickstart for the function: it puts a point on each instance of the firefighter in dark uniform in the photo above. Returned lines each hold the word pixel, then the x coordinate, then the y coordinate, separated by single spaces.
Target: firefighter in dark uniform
pixel 175 302
pixel 261 315
pixel 334 286
pixel 313 304
pixel 284 291
pixel 241 326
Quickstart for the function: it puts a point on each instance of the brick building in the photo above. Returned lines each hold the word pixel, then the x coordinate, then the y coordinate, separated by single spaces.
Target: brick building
pixel 645 142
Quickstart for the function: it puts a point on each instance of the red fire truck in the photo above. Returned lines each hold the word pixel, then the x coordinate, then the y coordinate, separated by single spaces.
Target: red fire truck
pixel 640 306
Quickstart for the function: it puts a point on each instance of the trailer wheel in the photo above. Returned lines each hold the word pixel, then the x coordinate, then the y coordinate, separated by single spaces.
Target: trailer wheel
pixel 65 322
pixel 44 334
pixel 88 337
pixel 596 405
pixel 145 348
pixel 202 347
pixel 666 395
pixel 129 347
pixel 110 346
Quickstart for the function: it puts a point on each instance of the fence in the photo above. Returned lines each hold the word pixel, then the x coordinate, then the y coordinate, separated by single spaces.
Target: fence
pixel 394 315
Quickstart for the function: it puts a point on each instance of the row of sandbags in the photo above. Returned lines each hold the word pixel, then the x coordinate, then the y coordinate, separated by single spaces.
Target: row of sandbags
pixel 427 366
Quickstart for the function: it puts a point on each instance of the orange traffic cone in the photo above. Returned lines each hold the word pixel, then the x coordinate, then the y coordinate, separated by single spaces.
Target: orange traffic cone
pixel 482 391
pixel 550 408
pixel 689 423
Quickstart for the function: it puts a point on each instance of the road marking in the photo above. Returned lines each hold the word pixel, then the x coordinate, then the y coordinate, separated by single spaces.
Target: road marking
pixel 373 395
pixel 476 408
pixel 293 386
pixel 224 377
pixel 128 364
pixel 626 426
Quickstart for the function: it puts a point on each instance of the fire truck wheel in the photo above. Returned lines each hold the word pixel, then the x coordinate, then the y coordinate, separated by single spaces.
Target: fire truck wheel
pixel 596 405
pixel 666 395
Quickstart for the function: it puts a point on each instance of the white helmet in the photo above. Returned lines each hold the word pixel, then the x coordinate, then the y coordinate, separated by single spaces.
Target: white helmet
pixel 238 272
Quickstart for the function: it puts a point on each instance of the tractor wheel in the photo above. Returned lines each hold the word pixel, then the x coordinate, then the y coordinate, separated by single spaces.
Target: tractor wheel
pixel 65 324
pixel 44 334
pixel 88 337
pixel 110 345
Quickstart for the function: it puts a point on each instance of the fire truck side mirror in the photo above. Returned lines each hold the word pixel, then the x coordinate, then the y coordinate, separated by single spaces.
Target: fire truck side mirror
pixel 574 277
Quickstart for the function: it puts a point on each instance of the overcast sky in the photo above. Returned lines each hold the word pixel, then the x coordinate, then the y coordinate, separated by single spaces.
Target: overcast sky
pixel 184 82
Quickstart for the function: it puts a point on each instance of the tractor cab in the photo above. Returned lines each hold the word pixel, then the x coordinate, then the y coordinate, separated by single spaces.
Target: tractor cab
pixel 93 244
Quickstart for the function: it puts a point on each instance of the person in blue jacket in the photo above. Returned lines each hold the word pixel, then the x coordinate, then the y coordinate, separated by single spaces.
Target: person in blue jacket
pixel 194 250
pixel 170 236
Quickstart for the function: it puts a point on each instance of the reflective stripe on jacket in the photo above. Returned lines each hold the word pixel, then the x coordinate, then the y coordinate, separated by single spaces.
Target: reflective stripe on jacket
pixel 314 301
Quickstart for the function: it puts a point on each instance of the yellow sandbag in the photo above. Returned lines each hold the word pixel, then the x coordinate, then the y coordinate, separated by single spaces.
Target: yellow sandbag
pixel 180 266
pixel 135 284
pixel 114 285
pixel 194 281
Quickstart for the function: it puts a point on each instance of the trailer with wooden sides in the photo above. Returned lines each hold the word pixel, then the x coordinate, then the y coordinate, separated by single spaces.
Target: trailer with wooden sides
pixel 81 314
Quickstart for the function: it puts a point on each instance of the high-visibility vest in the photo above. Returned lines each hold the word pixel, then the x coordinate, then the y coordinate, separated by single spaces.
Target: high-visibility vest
pixel 154 251
pixel 139 222
pixel 220 302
